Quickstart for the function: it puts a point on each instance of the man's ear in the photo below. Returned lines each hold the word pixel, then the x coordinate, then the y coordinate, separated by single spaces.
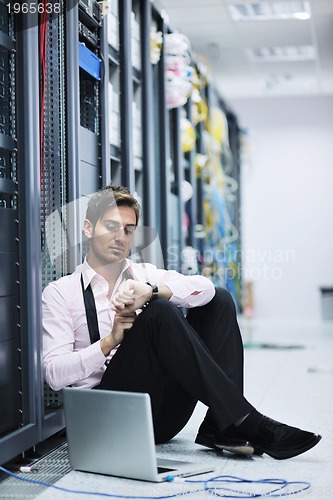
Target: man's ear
pixel 88 228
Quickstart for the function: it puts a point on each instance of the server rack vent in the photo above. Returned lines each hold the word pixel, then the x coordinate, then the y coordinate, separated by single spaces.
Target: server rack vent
pixel 6 21
pixel 8 179
pixel 54 170
pixel 89 103
pixel 54 163
pixel 92 9
pixel 7 93
pixel 90 64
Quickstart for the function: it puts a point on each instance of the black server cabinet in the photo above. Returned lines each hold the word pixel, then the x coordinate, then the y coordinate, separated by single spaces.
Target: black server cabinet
pixel 20 380
pixel 74 134
pixel 10 383
pixel 81 105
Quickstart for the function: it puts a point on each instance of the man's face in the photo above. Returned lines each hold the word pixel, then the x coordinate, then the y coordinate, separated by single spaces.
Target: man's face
pixel 111 238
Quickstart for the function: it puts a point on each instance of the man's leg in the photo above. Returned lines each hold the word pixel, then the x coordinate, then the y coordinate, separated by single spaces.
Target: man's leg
pixel 163 355
pixel 216 324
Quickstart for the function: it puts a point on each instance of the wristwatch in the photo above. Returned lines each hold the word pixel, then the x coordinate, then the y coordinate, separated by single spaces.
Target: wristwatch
pixel 155 291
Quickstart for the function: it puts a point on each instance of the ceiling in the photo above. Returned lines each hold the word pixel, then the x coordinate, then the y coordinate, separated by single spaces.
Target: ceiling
pixel 223 44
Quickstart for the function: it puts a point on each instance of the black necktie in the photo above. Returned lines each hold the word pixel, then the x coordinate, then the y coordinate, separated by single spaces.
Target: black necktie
pixel 91 313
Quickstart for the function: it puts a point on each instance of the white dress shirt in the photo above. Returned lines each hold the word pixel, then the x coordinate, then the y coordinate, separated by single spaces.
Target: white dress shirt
pixel 68 356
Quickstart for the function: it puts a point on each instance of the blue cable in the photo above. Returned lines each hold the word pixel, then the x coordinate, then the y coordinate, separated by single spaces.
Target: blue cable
pixel 208 485
pixel 282 484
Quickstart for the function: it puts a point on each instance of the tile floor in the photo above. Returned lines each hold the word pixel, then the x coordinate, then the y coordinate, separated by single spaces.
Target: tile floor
pixel 294 385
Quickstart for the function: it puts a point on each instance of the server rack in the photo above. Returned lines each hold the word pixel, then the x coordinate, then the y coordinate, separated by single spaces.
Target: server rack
pixel 21 380
pixel 101 122
pixel 235 148
pixel 223 246
pixel 10 343
pixel 138 155
pixel 74 170
pixel 53 177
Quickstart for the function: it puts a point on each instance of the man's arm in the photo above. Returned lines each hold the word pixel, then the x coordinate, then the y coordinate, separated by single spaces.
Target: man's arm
pixel 123 321
pixel 183 291
pixel 186 291
pixel 64 362
pixel 132 295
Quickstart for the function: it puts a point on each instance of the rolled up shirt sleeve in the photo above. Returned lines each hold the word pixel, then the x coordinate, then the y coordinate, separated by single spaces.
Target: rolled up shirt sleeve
pixel 64 361
pixel 191 291
pixel 187 291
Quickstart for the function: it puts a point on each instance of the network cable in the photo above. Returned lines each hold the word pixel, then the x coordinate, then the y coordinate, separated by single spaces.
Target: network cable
pixel 274 487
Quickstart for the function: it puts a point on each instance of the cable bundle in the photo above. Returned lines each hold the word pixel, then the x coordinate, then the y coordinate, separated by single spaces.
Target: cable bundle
pixel 178 72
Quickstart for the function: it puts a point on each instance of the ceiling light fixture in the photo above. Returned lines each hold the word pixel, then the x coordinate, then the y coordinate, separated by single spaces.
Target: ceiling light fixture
pixel 286 82
pixel 264 10
pixel 287 53
pixel 302 16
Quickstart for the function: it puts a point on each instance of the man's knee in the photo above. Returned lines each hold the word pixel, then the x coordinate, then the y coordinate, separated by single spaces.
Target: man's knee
pixel 161 305
pixel 162 308
pixel 224 298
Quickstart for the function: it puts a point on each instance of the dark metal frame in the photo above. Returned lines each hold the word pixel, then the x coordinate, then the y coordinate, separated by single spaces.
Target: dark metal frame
pixel 105 147
pixel 29 223
pixel 149 174
pixel 126 98
pixel 73 125
pixel 176 187
pixel 164 147
pixel 192 203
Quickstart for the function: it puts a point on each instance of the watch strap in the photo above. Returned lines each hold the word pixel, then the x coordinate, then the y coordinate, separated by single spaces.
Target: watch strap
pixel 155 291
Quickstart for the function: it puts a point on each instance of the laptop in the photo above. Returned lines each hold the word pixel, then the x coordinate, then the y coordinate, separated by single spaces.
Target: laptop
pixel 111 432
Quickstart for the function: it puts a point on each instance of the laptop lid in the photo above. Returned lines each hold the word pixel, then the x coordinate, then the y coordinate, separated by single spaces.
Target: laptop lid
pixel 111 432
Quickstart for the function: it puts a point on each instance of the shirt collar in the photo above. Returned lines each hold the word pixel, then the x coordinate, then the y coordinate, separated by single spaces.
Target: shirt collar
pixel 88 272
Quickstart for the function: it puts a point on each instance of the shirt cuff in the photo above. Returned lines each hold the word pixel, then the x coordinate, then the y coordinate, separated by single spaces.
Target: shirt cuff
pixel 92 358
pixel 196 292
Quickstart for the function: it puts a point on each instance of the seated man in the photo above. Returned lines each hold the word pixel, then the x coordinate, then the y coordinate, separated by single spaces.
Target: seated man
pixel 117 325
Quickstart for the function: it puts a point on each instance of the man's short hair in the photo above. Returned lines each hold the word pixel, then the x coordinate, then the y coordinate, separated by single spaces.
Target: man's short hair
pixel 109 197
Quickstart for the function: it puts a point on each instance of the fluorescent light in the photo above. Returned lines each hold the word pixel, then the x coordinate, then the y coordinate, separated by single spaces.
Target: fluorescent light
pixel 303 16
pixel 284 83
pixel 287 53
pixel 263 10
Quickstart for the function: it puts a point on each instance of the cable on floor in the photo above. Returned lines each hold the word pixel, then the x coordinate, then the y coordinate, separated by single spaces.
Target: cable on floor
pixel 273 487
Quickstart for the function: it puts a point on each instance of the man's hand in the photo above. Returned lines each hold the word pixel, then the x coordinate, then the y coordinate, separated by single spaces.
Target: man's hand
pixel 123 321
pixel 131 295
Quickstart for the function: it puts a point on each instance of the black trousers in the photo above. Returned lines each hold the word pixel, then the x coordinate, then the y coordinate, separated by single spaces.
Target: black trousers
pixel 179 361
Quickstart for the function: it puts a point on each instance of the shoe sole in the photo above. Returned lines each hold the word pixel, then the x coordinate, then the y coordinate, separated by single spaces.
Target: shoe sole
pixel 285 453
pixel 239 448
pixel 245 449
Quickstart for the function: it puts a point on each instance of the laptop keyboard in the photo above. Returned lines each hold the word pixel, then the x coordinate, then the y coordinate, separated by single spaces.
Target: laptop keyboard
pixel 164 469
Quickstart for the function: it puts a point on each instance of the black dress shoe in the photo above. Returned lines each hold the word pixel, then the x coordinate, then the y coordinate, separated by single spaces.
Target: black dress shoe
pixel 281 441
pixel 228 440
